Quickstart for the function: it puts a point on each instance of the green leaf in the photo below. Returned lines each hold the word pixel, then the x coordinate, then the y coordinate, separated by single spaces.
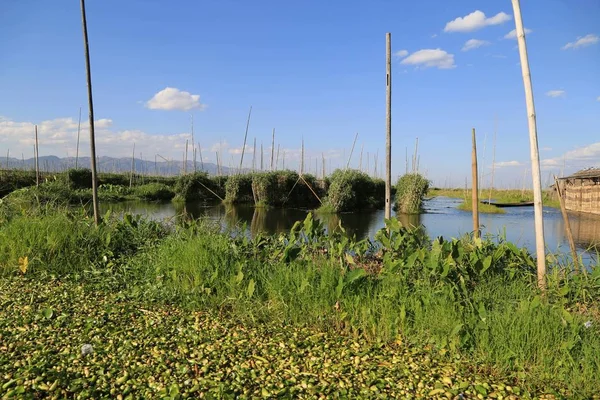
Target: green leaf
pixel 251 287
pixel 535 303
pixel 355 275
pixel 481 390
pixel 564 291
pixel 48 312
pixel 487 263
pixel 339 287
pixel 350 259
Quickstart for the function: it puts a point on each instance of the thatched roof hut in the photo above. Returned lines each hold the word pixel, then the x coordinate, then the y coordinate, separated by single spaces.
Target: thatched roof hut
pixel 582 191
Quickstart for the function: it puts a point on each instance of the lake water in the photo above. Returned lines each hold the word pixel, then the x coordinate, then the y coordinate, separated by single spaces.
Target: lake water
pixel 441 218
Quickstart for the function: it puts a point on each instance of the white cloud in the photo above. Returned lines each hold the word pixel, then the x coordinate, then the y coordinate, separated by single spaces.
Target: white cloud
pixel 474 43
pixel 430 58
pixel 556 93
pixel 513 34
pixel 474 21
pixel 579 158
pixel 434 36
pixel 582 41
pixel 504 164
pixel 238 150
pixel 174 99
pixel 401 53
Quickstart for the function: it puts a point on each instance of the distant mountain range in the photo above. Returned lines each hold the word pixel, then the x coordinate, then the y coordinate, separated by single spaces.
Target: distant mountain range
pixel 115 165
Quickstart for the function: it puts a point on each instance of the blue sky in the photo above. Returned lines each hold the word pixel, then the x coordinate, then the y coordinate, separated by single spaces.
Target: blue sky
pixel 311 69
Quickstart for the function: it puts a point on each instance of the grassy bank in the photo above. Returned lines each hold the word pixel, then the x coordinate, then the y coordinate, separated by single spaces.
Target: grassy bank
pixel 475 302
pixel 483 208
pixel 498 195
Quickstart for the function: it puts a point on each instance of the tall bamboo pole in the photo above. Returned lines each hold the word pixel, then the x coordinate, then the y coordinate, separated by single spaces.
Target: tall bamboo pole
pixel 474 189
pixel 323 165
pixel 277 160
pixel 362 147
pixel 388 129
pixel 535 155
pixel 201 161
pixel 245 137
pixel 272 148
pixel 193 145
pixel 78 131
pixel 262 165
pixel 37 159
pixel 91 107
pixel 185 161
pixel 351 151
pixel 254 156
pixel 302 158
pixel 132 170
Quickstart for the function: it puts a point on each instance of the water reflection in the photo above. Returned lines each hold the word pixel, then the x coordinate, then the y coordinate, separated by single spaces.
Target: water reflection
pixel 441 218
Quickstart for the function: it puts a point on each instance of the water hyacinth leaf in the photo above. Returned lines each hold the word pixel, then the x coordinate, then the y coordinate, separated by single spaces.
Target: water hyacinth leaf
pixel 354 275
pixel 350 259
pixel 487 263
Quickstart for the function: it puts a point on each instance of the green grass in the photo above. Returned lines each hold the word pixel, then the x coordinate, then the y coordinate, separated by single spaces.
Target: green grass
pixel 500 195
pixel 483 208
pixel 472 300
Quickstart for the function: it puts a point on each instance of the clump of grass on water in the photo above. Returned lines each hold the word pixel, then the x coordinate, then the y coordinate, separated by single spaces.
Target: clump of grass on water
pixel 483 208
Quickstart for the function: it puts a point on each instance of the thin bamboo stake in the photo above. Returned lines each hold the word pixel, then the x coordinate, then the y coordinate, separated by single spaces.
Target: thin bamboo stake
pixel 302 158
pixel 185 162
pixel 362 147
pixel 37 159
pixel 368 163
pixel 245 137
pixel 261 157
pixel 474 190
pixel 218 168
pixel 535 155
pixel 78 131
pixel 414 166
pixel 493 163
pixel 277 161
pixel 201 161
pixel 483 163
pixel 406 151
pixel 388 128
pixel 91 107
pixel 565 216
pixel 273 149
pixel 351 150
pixel 283 160
pixel 323 165
pixel 132 167
pixel 254 156
pixel 193 145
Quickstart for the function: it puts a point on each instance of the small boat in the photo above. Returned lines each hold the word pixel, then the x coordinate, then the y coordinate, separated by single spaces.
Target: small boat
pixel 502 205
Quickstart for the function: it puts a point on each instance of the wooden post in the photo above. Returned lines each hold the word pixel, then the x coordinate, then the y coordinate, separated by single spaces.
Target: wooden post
pixel 272 148
pixel 388 123
pixel 37 159
pixel 245 137
pixel 535 155
pixel 78 131
pixel 414 166
pixel 563 210
pixel 474 190
pixel 91 107
pixel 132 170
pixel 218 168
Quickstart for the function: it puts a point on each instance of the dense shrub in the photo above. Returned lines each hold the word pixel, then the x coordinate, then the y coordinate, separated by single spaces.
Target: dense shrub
pixel 352 190
pixel 80 178
pixel 238 189
pixel 410 190
pixel 153 191
pixel 196 186
pixel 285 188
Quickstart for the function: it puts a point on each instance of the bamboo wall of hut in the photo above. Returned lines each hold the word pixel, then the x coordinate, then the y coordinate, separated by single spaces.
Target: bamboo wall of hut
pixel 582 191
